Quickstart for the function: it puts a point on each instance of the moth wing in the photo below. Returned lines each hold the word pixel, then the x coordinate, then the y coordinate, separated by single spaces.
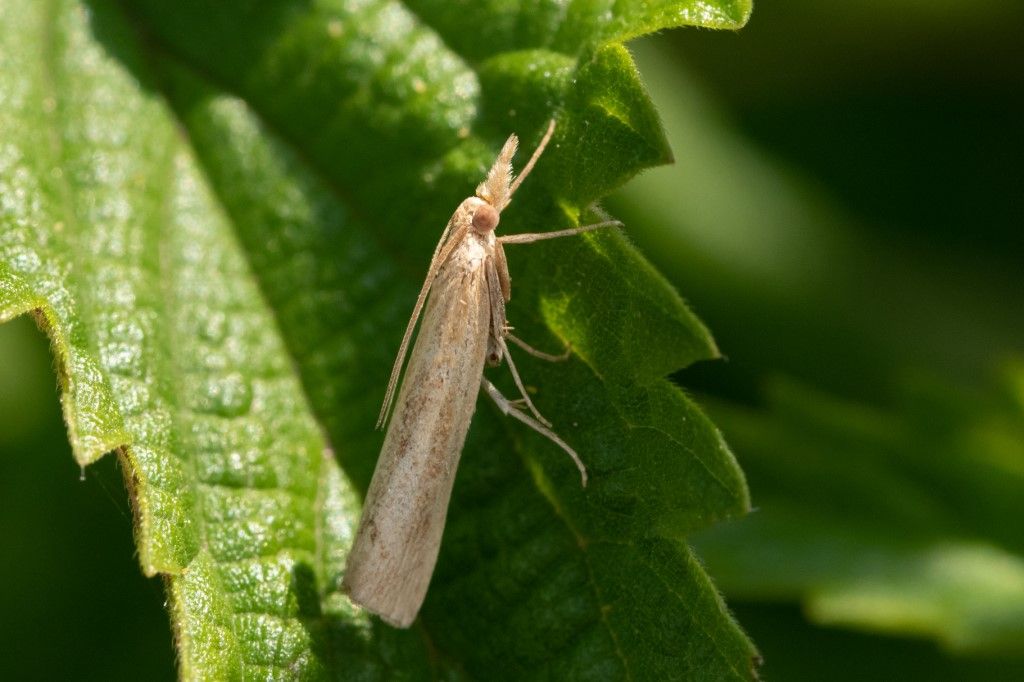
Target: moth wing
pixel 396 546
pixel 452 236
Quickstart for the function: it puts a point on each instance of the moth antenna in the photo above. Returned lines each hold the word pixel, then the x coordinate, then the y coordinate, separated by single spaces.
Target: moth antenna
pixel 533 159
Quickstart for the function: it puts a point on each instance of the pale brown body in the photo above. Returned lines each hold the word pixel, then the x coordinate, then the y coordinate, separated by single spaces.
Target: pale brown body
pixel 393 557
pixel 464 327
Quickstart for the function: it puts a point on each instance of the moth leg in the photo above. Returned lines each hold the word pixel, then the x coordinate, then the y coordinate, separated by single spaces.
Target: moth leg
pixel 496 346
pixel 530 237
pixel 561 357
pixel 501 269
pixel 519 382
pixel 499 323
pixel 510 409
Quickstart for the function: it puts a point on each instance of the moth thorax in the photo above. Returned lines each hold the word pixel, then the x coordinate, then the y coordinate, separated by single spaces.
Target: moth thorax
pixel 485 218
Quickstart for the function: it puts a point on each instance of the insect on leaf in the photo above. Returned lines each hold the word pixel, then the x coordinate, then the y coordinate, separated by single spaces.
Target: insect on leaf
pixel 220 213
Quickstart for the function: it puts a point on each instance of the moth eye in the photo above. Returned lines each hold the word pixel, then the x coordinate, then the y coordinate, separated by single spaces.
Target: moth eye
pixel 485 219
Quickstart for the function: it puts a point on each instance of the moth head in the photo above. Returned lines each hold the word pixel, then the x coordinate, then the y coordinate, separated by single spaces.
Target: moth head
pixel 485 218
pixel 495 192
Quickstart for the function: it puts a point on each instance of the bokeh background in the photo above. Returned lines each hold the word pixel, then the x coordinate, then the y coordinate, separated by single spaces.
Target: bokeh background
pixel 846 212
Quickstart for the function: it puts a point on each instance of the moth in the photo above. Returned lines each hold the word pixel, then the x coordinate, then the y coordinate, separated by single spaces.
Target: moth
pixel 464 328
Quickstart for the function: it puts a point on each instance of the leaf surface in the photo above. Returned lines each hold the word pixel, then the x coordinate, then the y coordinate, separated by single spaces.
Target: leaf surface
pixel 221 213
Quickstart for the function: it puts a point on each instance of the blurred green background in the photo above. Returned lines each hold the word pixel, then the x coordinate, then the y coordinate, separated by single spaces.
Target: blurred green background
pixel 846 214
pixel 75 605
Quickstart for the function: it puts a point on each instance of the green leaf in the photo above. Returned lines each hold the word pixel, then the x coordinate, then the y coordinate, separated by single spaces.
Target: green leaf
pixel 905 523
pixel 221 213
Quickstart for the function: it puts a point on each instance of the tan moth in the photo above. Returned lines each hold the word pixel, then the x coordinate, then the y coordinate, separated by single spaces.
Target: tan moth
pixel 464 327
